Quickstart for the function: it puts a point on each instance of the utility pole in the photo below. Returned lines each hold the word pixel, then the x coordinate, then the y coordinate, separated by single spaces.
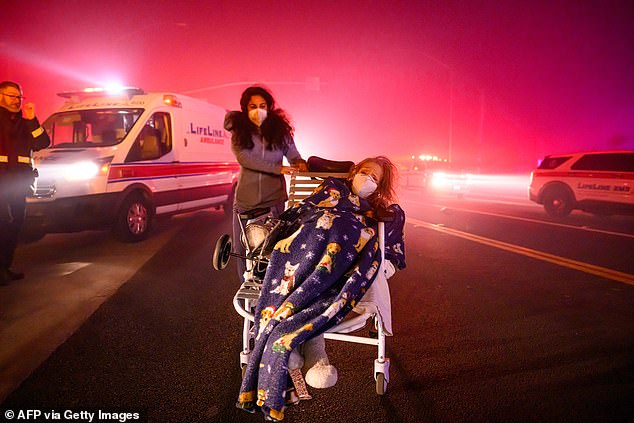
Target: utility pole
pixel 481 128
pixel 449 155
pixel 451 101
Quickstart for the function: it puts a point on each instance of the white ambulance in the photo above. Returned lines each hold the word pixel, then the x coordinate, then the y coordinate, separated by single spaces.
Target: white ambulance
pixel 600 182
pixel 119 159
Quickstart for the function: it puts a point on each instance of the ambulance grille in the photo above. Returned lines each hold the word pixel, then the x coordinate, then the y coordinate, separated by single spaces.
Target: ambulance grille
pixel 44 190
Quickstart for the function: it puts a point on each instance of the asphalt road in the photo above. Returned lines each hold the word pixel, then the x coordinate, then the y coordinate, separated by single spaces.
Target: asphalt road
pixel 485 328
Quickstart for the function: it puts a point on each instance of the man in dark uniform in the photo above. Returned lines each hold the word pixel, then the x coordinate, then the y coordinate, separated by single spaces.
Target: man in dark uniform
pixel 20 135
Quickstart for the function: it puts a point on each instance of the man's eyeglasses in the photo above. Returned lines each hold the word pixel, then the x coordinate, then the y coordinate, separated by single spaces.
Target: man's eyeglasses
pixel 15 97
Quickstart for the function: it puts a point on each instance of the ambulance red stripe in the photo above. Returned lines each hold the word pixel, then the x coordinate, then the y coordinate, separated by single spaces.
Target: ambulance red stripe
pixel 162 170
pixel 585 174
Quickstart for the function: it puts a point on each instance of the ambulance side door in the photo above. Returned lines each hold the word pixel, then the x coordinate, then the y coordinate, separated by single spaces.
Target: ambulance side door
pixel 151 161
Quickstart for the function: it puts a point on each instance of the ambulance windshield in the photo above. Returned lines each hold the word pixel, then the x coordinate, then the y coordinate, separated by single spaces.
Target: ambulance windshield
pixel 90 128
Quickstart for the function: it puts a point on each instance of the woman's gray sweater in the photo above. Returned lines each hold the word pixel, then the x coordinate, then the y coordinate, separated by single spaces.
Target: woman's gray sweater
pixel 261 183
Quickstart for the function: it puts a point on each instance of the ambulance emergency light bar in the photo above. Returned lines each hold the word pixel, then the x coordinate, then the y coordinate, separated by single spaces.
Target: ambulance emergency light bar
pixel 103 91
pixel 168 99
pixel 429 158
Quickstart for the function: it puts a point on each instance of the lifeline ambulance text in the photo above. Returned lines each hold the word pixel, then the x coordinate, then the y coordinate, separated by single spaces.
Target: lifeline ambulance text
pixel 73 416
pixel 603 187
pixel 205 130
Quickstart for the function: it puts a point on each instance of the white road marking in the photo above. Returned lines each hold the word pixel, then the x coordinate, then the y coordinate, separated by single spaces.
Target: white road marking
pixel 64 269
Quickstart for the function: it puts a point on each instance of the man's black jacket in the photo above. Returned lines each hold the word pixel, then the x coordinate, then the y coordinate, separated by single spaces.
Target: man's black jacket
pixel 19 137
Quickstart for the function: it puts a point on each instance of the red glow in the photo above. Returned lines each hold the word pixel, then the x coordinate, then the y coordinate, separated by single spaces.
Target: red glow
pixel 494 86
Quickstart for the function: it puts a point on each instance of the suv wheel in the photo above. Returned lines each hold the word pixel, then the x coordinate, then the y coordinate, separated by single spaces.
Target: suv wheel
pixel 558 202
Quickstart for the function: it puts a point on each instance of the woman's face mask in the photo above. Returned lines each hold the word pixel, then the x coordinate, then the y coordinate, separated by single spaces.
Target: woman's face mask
pixel 363 185
pixel 257 116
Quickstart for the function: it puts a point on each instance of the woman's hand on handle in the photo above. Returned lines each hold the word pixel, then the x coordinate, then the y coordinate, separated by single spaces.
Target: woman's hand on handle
pixel 299 167
pixel 289 170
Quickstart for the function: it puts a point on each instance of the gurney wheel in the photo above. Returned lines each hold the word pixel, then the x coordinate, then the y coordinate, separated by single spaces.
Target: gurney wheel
pixel 222 252
pixel 381 384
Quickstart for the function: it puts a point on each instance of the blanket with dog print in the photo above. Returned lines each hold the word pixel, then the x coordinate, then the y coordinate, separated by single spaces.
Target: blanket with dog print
pixel 315 276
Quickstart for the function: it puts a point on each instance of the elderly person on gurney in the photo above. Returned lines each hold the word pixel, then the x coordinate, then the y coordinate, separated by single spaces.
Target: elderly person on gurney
pixel 324 263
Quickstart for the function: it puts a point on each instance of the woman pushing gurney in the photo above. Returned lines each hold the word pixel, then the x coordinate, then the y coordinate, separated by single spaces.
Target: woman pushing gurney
pixel 325 262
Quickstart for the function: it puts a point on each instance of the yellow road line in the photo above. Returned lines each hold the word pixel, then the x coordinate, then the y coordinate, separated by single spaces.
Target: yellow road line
pixel 603 272
pixel 524 219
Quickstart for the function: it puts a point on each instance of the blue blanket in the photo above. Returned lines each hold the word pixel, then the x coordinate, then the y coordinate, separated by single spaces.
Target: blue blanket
pixel 316 275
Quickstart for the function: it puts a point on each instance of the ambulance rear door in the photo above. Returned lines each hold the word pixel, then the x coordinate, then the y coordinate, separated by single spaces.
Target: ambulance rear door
pixel 204 155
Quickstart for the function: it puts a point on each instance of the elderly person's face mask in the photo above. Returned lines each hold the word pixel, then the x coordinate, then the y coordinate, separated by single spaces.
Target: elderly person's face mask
pixel 367 179
pixel 363 185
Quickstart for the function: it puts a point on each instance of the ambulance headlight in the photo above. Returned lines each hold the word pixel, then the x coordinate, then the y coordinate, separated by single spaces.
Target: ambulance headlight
pixel 85 170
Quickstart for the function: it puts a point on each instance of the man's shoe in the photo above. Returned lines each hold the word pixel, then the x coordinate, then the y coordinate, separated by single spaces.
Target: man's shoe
pixel 15 276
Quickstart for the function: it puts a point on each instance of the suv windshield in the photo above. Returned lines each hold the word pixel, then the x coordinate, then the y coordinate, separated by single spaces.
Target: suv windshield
pixel 90 128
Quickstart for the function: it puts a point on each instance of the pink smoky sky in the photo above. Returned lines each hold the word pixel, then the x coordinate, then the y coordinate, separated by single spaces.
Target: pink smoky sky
pixel 496 85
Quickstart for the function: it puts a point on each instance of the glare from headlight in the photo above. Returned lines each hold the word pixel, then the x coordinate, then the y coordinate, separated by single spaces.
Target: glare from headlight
pixel 439 179
pixel 81 171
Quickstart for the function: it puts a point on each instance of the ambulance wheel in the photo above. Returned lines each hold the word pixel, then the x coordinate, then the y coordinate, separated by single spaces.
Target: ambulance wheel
pixel 221 252
pixel 134 219
pixel 381 384
pixel 558 202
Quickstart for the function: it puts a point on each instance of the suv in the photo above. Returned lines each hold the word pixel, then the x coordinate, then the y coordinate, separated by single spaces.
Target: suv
pixel 600 182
